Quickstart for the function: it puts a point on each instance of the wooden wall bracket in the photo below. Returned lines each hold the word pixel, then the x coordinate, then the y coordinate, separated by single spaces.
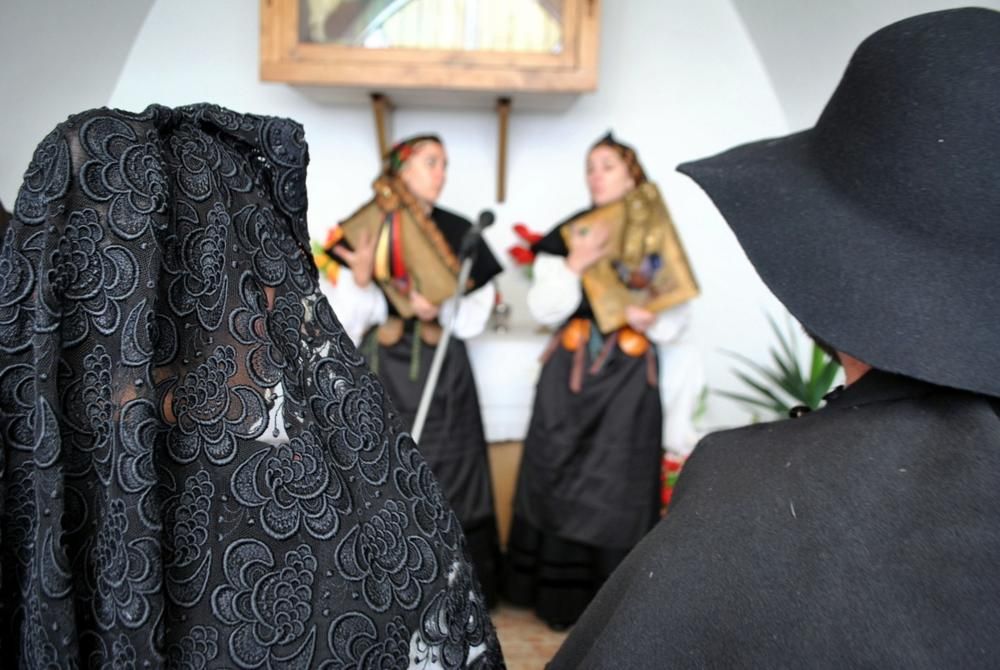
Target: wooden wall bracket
pixel 503 119
pixel 382 111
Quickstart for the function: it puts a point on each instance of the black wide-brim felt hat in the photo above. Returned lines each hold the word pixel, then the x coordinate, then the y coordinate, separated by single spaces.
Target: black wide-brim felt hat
pixel 879 228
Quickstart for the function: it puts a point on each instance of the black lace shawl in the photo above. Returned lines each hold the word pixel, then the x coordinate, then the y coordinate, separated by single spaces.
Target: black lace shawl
pixel 198 470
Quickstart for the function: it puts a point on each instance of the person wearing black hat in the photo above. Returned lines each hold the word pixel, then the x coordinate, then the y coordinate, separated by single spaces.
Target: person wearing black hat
pixel 867 533
pixel 382 291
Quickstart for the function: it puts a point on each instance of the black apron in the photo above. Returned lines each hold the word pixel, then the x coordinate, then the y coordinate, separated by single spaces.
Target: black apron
pixel 591 464
pixel 589 483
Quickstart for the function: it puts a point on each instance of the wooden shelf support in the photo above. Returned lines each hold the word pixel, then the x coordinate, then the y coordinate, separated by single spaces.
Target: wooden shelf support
pixel 503 118
pixel 382 110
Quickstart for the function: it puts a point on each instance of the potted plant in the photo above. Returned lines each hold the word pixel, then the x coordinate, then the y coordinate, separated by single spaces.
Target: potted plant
pixel 784 384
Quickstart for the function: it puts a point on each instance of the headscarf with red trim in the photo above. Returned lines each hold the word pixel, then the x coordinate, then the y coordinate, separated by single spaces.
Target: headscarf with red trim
pixel 402 150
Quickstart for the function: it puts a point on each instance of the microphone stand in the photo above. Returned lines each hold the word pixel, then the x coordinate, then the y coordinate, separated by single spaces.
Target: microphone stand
pixel 467 252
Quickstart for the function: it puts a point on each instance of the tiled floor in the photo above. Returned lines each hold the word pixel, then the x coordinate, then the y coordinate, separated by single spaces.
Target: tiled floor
pixel 528 644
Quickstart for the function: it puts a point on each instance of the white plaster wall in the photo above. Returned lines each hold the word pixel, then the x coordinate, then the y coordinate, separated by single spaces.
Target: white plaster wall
pixel 57 57
pixel 678 79
pixel 805 44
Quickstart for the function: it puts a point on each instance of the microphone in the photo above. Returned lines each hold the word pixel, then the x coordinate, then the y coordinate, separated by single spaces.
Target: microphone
pixel 486 219
pixel 470 241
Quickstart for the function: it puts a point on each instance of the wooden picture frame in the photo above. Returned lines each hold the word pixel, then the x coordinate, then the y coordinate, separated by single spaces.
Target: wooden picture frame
pixel 286 57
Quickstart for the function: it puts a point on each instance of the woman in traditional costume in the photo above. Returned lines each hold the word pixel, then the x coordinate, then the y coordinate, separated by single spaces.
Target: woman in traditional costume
pixel 393 269
pixel 613 281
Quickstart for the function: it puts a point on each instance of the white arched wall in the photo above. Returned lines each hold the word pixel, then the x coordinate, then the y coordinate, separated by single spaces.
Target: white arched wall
pixel 678 79
pixel 805 44
pixel 57 57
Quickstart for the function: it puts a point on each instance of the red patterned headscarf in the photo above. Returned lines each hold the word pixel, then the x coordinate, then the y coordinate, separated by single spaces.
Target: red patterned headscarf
pixel 402 150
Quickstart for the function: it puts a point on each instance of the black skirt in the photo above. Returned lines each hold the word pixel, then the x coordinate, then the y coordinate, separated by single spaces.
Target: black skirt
pixel 453 442
pixel 588 487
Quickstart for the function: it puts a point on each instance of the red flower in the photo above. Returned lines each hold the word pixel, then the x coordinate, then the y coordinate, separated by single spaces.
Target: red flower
pixel 526 234
pixel 521 255
pixel 670 471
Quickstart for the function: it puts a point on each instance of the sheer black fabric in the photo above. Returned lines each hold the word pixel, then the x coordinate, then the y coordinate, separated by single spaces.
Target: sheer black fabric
pixel 198 469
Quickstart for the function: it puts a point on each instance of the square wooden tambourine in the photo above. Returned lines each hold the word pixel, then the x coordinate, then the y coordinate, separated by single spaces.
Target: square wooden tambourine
pixel 430 269
pixel 639 227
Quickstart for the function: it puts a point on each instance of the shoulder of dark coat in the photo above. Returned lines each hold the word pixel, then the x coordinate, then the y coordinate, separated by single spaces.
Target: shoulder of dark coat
pixel 827 428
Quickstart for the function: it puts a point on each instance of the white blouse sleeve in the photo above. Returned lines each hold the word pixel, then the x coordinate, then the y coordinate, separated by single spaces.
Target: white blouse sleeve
pixel 555 291
pixel 357 308
pixel 670 324
pixel 682 383
pixel 474 311
pixel 682 377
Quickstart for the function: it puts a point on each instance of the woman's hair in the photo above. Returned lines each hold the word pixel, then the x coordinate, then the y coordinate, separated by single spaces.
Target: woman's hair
pixel 402 150
pixel 627 154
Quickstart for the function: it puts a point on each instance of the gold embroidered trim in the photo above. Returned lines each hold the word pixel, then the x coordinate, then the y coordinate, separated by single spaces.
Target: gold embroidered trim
pixel 391 193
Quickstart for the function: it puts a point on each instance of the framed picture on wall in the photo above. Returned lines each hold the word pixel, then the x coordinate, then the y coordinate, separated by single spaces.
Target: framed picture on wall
pixel 484 45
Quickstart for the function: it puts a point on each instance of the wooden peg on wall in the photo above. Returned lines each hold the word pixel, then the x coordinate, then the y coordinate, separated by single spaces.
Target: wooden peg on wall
pixel 503 117
pixel 381 108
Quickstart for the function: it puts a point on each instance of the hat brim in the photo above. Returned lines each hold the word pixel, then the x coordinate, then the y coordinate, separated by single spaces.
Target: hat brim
pixel 878 292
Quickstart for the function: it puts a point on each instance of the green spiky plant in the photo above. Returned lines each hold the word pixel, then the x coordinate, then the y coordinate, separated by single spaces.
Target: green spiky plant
pixel 784 384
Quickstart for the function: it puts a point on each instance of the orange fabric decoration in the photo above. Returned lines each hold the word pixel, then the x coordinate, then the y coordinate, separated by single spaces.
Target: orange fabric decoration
pixel 632 343
pixel 575 334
